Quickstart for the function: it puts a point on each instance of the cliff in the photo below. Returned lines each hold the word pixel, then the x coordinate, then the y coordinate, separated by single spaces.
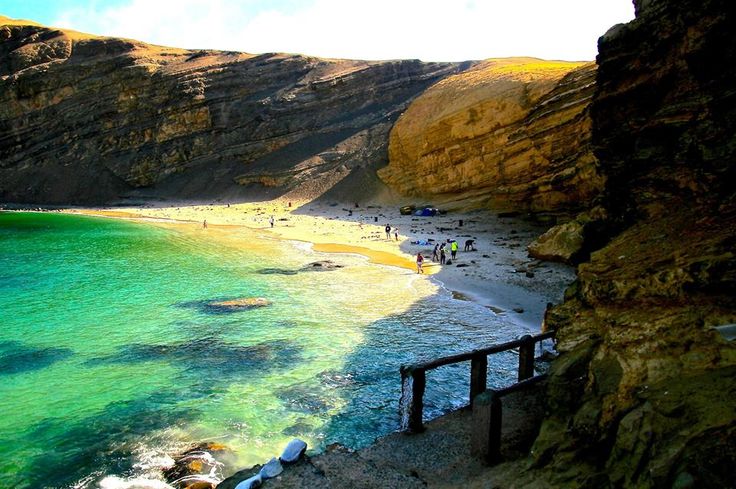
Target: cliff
pixel 509 134
pixel 89 119
pixel 643 392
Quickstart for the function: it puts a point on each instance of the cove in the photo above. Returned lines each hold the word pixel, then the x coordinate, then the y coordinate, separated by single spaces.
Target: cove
pixel 110 363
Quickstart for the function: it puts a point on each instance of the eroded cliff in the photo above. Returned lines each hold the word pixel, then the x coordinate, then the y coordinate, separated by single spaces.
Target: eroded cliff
pixel 644 391
pixel 509 134
pixel 93 119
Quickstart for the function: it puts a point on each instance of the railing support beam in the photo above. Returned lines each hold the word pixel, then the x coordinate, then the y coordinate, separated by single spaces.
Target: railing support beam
pixel 526 358
pixel 487 420
pixel 478 375
pixel 415 404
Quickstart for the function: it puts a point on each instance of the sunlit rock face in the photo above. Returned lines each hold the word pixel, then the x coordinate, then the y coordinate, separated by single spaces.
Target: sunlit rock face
pixel 643 392
pixel 93 119
pixel 510 134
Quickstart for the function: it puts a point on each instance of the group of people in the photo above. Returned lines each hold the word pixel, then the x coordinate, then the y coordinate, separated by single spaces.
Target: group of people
pixel 440 252
pixel 395 230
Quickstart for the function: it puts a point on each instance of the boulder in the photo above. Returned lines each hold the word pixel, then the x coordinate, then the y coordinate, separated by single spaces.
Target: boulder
pixel 561 243
pixel 572 241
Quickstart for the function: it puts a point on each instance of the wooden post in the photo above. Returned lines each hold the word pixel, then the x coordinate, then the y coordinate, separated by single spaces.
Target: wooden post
pixel 413 401
pixel 486 435
pixel 526 358
pixel 494 431
pixel 478 374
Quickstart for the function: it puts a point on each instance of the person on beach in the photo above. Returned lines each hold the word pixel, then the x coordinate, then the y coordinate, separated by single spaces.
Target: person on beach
pixel 420 262
pixel 271 221
pixel 204 224
pixel 436 253
pixel 443 255
pixel 388 231
pixel 453 249
pixel 396 233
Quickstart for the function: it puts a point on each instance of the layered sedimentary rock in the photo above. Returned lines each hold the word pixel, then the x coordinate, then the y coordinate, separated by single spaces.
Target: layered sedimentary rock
pixel 643 394
pixel 510 134
pixel 93 119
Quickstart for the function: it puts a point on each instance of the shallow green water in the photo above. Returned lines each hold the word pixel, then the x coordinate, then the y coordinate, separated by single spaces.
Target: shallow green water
pixel 111 359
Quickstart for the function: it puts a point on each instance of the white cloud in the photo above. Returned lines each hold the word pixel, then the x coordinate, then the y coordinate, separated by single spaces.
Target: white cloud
pixel 432 30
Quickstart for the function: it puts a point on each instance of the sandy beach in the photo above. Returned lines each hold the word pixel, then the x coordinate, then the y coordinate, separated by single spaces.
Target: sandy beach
pixel 498 273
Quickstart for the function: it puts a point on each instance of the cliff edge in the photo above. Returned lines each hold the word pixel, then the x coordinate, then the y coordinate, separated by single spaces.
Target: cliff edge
pixel 643 392
pixel 507 134
pixel 90 119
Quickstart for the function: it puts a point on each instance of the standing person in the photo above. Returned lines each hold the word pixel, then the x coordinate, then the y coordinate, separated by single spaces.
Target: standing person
pixel 388 231
pixel 396 233
pixel 436 253
pixel 453 248
pixel 420 262
pixel 443 256
pixel 204 224
pixel 271 221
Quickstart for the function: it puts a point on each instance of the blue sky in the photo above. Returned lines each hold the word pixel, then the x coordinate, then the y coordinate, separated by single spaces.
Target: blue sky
pixel 432 30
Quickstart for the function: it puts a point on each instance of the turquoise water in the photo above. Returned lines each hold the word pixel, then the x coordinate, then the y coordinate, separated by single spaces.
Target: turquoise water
pixel 112 359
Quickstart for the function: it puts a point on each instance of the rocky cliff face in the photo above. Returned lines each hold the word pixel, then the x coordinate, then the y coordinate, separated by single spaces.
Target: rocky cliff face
pixel 92 119
pixel 510 134
pixel 643 394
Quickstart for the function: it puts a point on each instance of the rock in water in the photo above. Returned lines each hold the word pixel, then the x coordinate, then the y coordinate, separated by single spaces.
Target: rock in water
pixel 240 304
pixel 321 265
pixel 196 468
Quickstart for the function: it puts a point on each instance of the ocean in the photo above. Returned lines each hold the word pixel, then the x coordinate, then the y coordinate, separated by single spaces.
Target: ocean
pixel 114 356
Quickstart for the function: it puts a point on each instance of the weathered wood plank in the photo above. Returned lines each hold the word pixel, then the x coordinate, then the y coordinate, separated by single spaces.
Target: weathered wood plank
pixel 526 357
pixel 478 375
pixel 415 381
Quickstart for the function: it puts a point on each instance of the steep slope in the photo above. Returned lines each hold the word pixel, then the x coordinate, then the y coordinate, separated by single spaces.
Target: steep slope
pixel 90 119
pixel 508 134
pixel 643 394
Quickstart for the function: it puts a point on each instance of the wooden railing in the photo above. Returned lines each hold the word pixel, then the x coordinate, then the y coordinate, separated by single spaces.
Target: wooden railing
pixel 414 381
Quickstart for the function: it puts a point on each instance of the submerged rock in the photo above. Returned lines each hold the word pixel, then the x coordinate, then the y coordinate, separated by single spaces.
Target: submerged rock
pixel 321 265
pixel 240 304
pixel 277 271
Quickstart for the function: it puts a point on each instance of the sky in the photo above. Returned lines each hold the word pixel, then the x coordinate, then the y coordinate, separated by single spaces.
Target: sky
pixel 431 30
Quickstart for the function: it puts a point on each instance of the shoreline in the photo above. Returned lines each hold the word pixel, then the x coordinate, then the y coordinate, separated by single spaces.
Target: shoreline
pixel 499 275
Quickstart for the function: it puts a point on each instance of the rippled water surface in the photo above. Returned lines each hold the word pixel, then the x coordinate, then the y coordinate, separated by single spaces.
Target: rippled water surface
pixel 112 358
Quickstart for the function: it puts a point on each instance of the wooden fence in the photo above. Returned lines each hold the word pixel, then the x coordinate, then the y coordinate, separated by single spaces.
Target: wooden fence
pixel 488 411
